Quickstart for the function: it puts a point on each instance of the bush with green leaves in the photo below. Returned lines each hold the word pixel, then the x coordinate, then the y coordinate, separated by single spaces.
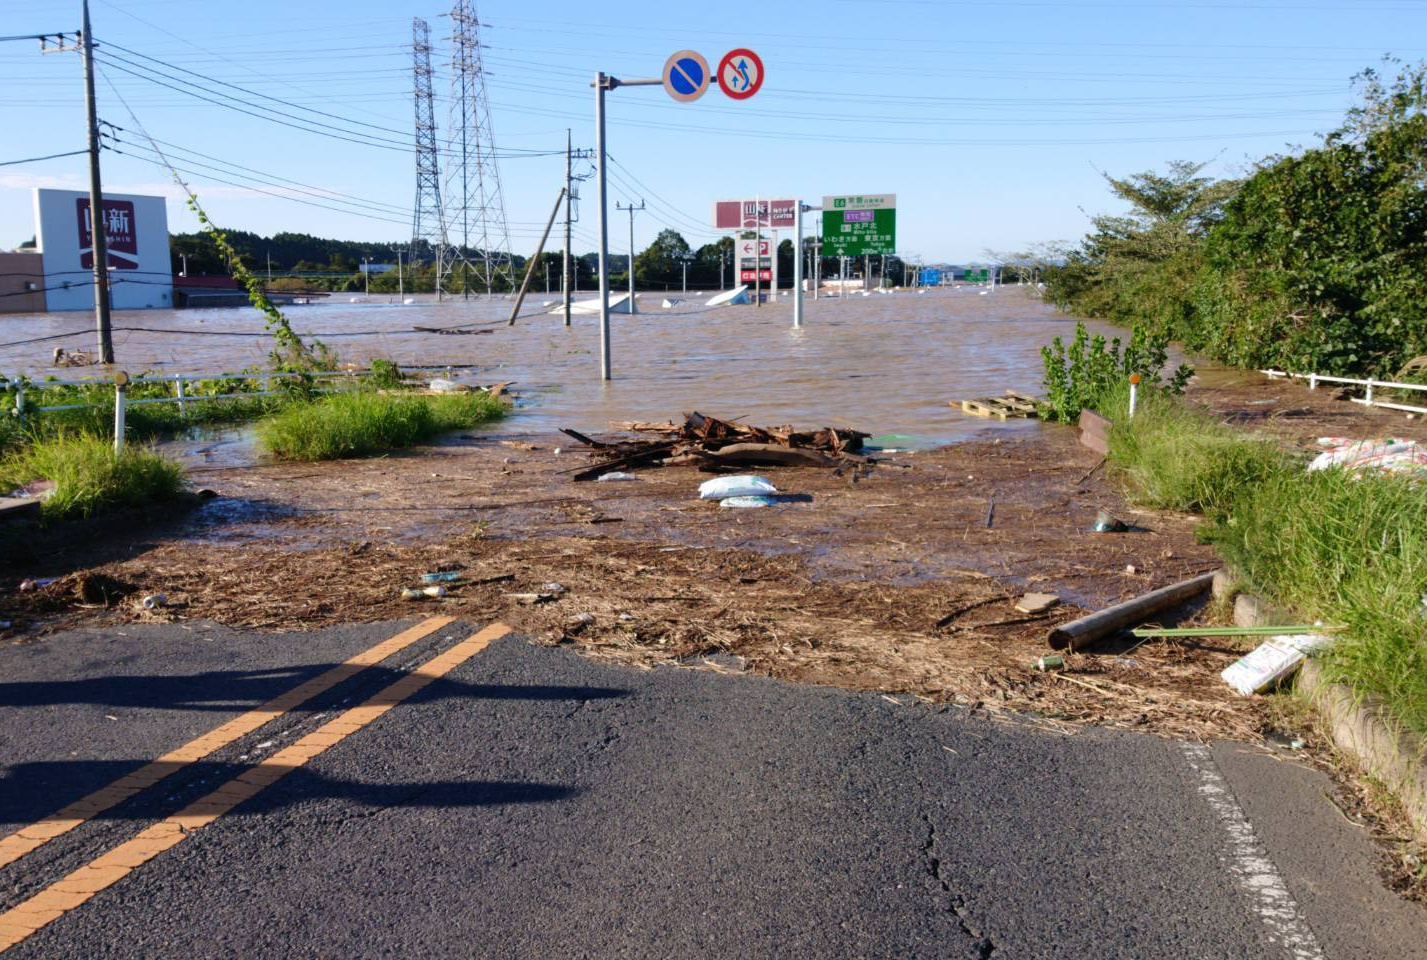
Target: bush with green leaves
pixel 1084 374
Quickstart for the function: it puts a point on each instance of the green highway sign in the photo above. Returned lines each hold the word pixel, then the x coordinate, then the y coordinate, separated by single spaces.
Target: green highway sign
pixel 858 225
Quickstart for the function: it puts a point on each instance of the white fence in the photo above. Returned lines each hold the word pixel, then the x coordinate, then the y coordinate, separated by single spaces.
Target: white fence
pixel 122 381
pixel 1369 385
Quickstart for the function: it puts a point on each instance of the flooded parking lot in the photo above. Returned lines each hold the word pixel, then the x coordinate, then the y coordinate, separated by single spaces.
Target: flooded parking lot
pixel 882 363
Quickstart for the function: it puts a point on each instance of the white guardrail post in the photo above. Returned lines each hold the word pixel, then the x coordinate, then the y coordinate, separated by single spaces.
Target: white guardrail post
pixel 182 399
pixel 121 401
pixel 20 403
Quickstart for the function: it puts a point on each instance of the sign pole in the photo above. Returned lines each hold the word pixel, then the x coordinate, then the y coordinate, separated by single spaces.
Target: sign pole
pixel 98 241
pixel 798 265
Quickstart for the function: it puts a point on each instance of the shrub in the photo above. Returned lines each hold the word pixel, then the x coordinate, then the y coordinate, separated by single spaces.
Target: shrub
pixel 364 422
pixel 1082 375
pixel 89 476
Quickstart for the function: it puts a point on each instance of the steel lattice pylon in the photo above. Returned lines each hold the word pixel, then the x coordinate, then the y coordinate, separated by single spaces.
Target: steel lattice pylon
pixel 474 205
pixel 428 222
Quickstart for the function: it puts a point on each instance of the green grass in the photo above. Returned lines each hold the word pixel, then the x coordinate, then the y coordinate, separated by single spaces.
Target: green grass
pixel 89 477
pixel 363 422
pixel 1345 548
pixel 1177 457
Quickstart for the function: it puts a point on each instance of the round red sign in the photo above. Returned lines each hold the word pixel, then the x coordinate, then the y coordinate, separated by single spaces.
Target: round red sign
pixel 740 73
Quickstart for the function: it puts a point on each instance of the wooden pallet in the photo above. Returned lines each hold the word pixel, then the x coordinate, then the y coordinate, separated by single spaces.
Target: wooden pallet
pixel 1011 405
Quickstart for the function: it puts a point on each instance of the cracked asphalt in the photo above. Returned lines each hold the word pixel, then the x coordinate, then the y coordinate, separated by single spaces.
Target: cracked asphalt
pixel 537 803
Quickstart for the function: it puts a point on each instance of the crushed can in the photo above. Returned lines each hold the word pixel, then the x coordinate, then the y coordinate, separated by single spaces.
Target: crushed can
pixel 1050 662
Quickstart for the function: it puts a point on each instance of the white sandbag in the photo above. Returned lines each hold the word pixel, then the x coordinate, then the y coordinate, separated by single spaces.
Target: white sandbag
pixel 743 485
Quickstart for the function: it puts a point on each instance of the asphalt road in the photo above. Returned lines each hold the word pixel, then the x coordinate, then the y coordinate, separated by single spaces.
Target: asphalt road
pixel 534 803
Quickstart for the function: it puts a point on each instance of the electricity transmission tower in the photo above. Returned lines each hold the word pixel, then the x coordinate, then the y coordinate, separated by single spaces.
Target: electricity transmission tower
pixel 428 223
pixel 474 205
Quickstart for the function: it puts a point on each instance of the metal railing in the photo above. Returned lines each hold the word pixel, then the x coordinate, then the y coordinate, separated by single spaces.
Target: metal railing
pixel 122 381
pixel 1368 384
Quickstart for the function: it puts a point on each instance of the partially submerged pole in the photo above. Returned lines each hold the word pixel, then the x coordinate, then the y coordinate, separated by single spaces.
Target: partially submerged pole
pixel 798 265
pixel 530 267
pixel 1097 626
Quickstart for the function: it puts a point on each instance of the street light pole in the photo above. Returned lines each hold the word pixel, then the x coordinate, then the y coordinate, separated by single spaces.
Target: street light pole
pixel 602 83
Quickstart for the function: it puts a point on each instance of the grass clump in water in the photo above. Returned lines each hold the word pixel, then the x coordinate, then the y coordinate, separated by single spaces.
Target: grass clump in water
pixel 363 422
pixel 89 477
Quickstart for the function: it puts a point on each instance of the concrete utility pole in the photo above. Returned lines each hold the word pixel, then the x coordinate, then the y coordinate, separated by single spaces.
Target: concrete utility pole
pixel 631 208
pixel 565 284
pixel 99 243
pixel 366 275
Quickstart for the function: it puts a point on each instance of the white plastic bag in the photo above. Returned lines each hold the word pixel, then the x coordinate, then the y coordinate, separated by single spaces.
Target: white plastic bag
pixel 746 502
pixel 741 486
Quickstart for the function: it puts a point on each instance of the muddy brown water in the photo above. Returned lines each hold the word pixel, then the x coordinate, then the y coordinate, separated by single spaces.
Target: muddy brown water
pixel 885 363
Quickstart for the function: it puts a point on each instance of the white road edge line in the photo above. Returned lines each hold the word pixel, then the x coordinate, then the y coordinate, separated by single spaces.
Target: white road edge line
pixel 1249 862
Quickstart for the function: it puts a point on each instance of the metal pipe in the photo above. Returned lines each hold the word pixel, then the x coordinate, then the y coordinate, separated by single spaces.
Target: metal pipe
pixel 1096 626
pixel 121 390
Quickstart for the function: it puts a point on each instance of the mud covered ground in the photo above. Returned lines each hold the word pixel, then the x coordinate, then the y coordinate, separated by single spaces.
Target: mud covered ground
pixel 902 577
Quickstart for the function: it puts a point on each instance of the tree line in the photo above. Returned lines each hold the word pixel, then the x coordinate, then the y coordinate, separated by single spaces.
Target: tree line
pixel 301 261
pixel 1315 261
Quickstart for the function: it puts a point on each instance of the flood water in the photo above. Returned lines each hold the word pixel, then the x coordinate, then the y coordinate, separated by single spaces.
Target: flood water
pixel 885 363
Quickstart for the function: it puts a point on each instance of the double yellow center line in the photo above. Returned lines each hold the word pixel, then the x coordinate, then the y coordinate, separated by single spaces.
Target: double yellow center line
pixel 54 901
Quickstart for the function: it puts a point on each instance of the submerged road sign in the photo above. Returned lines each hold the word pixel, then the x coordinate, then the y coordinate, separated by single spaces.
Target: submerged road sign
pixel 860 224
pixel 740 73
pixel 686 76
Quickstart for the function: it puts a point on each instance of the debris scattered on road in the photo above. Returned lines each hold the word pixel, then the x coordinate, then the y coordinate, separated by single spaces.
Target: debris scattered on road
pixel 615 477
pixel 747 485
pixel 1096 626
pixel 748 502
pixel 422 593
pixel 714 444
pixel 1273 661
pixel 1036 602
pixel 1105 522
pixel 154 601
pixel 1050 662
pixel 1387 455
pixel 441 576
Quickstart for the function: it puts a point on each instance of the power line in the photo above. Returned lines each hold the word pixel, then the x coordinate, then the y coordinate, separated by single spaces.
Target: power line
pixel 53 156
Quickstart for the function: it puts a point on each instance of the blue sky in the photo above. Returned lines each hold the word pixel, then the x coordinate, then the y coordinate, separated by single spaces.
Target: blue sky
pixel 990 121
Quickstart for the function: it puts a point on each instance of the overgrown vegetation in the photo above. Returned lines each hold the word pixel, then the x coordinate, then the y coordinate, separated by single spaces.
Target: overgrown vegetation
pixel 1089 371
pixel 88 476
pixel 366 422
pixel 1348 549
pixel 1316 261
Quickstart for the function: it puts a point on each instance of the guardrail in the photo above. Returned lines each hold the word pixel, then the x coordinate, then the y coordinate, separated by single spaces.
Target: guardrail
pixel 1369 385
pixel 122 381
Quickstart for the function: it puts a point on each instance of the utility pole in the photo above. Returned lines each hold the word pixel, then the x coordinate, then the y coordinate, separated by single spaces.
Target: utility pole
pixel 565 284
pixel 183 272
pixel 98 240
pixel 270 266
pixel 547 276
pixel 400 288
pixel 366 275
pixel 631 208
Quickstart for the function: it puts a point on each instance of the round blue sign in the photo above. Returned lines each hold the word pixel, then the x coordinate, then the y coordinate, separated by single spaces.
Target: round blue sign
pixel 686 76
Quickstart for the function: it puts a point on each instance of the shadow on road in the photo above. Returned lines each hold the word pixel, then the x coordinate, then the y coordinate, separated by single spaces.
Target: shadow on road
pixel 244 689
pixel 300 785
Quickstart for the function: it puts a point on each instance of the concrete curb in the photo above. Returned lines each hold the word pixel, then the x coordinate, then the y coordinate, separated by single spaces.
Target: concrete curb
pixel 1383 747
pixel 1361 727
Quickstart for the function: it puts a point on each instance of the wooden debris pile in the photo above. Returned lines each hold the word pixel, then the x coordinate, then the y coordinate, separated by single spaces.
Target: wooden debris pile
pixel 713 445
